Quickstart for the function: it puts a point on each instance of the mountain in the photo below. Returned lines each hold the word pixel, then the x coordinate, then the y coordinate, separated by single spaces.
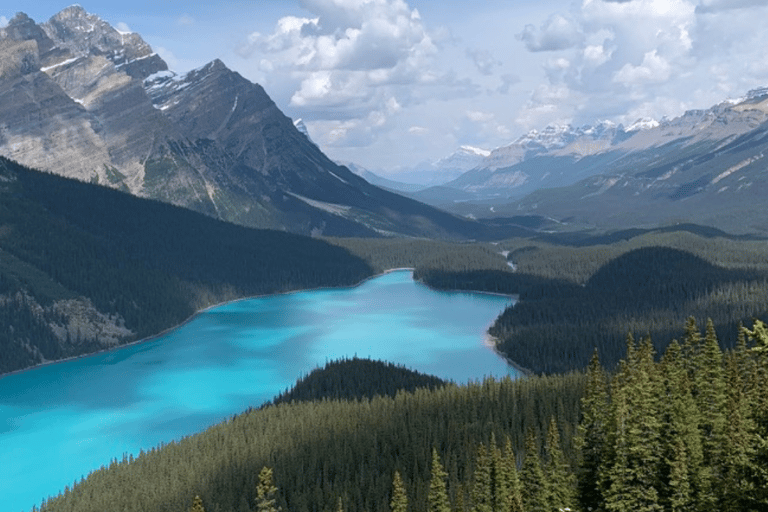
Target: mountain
pixel 540 159
pixel 650 173
pixel 437 172
pixel 705 167
pixel 80 98
pixel 86 268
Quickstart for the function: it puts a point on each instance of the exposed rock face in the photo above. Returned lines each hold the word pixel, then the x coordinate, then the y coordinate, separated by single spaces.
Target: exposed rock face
pixel 79 98
pixel 562 155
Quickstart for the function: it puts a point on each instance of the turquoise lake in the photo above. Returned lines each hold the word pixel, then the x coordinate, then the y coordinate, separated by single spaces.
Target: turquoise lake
pixel 61 421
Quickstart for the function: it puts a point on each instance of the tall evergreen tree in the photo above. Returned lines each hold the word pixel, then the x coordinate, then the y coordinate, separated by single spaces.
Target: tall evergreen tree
pixel 437 499
pixel 759 474
pixel 634 469
pixel 266 492
pixel 502 501
pixel 591 439
pixel 514 488
pixel 399 501
pixel 711 398
pixel 682 453
pixel 534 488
pixel 740 435
pixel 560 480
pixel 482 481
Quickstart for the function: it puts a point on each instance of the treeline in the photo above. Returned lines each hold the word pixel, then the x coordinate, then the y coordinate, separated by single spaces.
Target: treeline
pixel 573 298
pixel 356 379
pixel 684 433
pixel 323 450
pixel 388 253
pixel 146 264
pixel 651 291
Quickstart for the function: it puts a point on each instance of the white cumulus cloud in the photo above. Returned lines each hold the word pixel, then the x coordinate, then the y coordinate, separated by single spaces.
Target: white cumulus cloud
pixel 648 58
pixel 352 65
pixel 557 33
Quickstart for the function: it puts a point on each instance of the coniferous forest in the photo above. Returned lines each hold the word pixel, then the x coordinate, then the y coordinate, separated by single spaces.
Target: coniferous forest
pixel 602 421
pixel 682 432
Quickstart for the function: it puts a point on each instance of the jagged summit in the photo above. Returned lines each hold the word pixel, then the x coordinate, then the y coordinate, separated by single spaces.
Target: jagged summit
pixel 83 99
pixel 83 34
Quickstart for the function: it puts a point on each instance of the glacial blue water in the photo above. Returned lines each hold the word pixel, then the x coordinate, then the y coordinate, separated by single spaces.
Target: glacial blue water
pixel 59 422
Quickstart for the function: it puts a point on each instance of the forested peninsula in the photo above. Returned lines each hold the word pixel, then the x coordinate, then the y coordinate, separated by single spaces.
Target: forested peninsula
pixel 682 432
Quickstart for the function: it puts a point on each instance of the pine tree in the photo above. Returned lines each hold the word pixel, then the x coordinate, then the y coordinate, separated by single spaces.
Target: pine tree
pixel 560 480
pixel 437 500
pixel 680 497
pixel 691 347
pixel 399 501
pixel 514 488
pixel 501 479
pixel 266 492
pixel 740 436
pixel 591 440
pixel 482 482
pixel 758 477
pixel 633 470
pixel 711 397
pixel 534 489
pixel 197 505
pixel 683 458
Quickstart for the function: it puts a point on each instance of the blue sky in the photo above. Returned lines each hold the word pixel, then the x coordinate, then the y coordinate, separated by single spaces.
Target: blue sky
pixel 389 83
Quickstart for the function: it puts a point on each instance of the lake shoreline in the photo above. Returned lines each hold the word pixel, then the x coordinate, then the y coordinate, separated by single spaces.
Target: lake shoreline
pixel 234 301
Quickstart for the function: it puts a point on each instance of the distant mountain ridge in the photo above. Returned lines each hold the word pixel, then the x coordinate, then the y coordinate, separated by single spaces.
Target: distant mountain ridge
pixel 705 167
pixel 80 98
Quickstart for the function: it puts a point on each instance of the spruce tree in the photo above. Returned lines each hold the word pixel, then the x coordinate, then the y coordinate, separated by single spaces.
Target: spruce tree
pixel 741 436
pixel 501 479
pixel 591 440
pixel 711 398
pixel 682 463
pixel 399 501
pixel 758 477
pixel 534 488
pixel 633 471
pixel 560 480
pixel 266 492
pixel 197 505
pixel 482 482
pixel 437 499
pixel 514 488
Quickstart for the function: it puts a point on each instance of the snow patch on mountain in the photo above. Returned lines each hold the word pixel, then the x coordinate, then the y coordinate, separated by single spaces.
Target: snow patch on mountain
pixel 644 123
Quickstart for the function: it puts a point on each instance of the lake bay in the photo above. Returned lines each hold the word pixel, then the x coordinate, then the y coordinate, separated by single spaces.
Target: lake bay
pixel 61 421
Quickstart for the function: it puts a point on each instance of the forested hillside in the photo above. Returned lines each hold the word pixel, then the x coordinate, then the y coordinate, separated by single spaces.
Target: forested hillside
pixel 84 267
pixel 579 292
pixel 685 433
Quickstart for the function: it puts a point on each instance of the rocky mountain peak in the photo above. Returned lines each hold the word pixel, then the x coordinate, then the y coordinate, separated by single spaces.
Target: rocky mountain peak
pixel 82 34
pixel 24 28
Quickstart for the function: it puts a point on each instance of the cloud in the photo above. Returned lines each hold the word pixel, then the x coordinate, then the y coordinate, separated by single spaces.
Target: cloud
pixel 557 33
pixel 483 60
pixel 350 55
pixel 507 81
pixel 3 22
pixel 123 27
pixel 614 55
pixel 418 130
pixel 714 6
pixel 654 68
pixel 185 20
pixel 352 68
